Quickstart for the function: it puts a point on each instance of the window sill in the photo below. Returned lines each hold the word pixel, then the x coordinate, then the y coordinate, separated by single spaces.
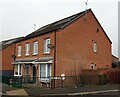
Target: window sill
pixel 19 55
pixel 46 53
pixel 46 80
pixel 35 54
pixel 18 75
pixel 26 54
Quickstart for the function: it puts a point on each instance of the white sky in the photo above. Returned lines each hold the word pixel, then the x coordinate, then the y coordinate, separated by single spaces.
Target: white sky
pixel 17 17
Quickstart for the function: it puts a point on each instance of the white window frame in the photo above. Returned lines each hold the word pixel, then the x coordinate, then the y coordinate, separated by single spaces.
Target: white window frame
pixel 92 65
pixel 46 49
pixel 27 49
pixel 18 66
pixel 46 79
pixel 95 47
pixel 19 50
pixel 35 48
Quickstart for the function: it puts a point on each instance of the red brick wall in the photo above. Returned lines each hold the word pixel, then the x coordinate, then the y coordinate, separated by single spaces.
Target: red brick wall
pixel 40 40
pixel 75 47
pixel 7 57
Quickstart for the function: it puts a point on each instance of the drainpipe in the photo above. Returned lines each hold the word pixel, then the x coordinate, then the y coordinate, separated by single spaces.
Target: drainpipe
pixel 54 56
pixel 14 55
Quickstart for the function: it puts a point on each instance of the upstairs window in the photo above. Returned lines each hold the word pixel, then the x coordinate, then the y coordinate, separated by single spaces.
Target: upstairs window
pixel 46 49
pixel 19 50
pixel 95 47
pixel 27 49
pixel 35 48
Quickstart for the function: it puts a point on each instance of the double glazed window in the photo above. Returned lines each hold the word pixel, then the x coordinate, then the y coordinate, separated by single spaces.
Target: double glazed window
pixel 27 49
pixel 19 50
pixel 17 70
pixel 45 71
pixel 46 49
pixel 35 48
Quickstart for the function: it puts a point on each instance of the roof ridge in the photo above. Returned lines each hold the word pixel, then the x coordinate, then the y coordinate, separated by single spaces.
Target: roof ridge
pixel 11 39
pixel 6 43
pixel 56 25
pixel 64 18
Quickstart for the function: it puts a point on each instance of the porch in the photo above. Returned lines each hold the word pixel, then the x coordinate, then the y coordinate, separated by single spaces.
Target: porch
pixel 33 70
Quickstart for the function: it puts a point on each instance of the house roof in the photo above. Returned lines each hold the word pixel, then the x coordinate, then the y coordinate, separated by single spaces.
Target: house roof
pixel 4 44
pixel 34 60
pixel 56 25
pixel 115 56
pixel 60 25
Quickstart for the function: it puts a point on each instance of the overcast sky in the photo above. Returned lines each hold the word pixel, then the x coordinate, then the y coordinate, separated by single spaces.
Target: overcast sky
pixel 17 17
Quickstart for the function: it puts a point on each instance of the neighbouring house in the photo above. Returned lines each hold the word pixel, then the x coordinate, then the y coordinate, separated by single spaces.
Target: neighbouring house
pixel 7 52
pixel 63 48
pixel 115 61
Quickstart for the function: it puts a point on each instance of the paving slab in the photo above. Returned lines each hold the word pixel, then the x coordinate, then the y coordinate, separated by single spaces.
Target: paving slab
pixel 20 92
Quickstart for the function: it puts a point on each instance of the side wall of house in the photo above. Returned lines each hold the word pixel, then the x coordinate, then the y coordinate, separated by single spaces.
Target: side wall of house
pixel 75 47
pixel 7 67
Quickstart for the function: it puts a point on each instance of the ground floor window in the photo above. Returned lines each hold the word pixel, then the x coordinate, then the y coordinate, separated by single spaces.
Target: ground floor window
pixel 17 70
pixel 45 71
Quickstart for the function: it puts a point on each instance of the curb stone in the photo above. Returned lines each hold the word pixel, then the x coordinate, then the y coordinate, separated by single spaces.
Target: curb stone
pixel 94 92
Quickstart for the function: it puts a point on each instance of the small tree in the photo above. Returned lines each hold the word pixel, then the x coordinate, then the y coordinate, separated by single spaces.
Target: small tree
pixel 76 75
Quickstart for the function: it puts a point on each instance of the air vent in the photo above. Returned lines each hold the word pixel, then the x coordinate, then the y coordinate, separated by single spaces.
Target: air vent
pixel 97 30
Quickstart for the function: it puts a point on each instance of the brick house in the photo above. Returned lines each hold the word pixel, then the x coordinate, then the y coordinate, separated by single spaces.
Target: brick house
pixel 115 61
pixel 7 52
pixel 63 48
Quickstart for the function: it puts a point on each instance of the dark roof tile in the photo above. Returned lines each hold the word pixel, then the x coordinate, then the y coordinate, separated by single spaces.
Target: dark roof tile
pixel 55 26
pixel 61 24
pixel 6 43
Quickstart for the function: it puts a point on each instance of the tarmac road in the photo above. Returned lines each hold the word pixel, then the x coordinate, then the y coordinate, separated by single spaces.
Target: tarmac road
pixel 96 91
pixel 70 96
pixel 107 94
